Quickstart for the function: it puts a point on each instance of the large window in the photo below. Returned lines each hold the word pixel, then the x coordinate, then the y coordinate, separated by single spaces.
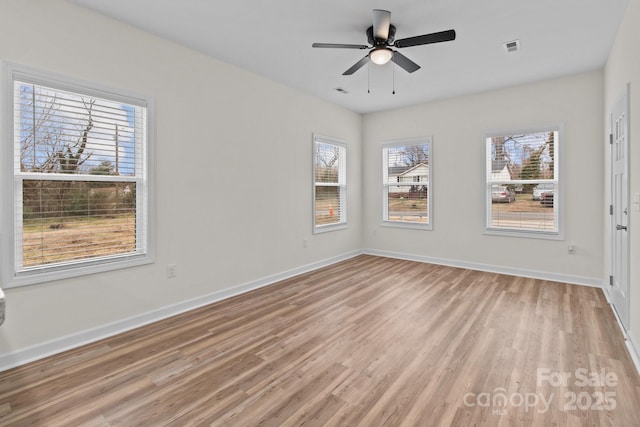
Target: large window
pixel 79 168
pixel 522 183
pixel 406 168
pixel 329 189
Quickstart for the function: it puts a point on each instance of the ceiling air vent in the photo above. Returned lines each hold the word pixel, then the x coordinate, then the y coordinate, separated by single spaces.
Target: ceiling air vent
pixel 512 46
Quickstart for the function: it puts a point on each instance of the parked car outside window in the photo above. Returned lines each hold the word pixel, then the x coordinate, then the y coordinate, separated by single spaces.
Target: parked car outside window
pixel 502 194
pixel 541 188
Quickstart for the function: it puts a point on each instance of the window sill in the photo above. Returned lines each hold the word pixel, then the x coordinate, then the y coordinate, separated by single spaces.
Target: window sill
pixel 319 229
pixel 526 234
pixel 408 225
pixel 65 272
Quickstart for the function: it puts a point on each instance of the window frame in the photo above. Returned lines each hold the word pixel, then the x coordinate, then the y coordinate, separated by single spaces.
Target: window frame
pixel 12 188
pixel 425 140
pixel 557 181
pixel 342 183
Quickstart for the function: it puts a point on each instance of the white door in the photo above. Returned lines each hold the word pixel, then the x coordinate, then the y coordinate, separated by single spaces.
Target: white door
pixel 619 284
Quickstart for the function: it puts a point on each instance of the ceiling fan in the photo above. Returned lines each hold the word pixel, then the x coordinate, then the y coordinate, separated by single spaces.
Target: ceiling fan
pixel 381 36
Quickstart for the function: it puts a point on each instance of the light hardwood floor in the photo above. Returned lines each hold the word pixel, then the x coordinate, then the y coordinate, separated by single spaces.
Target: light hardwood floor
pixel 369 341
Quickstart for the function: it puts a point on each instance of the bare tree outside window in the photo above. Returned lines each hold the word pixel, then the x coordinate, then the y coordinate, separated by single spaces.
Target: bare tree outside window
pixel 61 133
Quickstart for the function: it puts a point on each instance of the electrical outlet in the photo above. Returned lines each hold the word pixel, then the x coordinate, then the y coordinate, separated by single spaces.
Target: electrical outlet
pixel 171 271
pixel 572 250
pixel 305 243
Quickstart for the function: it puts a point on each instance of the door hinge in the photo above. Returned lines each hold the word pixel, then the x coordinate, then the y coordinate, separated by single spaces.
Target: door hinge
pixel 610 209
pixel 610 280
pixel 611 138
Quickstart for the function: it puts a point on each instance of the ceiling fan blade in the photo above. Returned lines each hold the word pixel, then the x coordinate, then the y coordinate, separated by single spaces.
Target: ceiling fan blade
pixel 405 63
pixel 356 66
pixel 381 22
pixel 340 46
pixel 442 36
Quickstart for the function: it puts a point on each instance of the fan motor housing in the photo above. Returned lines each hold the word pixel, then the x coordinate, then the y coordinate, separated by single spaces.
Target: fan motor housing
pixel 377 42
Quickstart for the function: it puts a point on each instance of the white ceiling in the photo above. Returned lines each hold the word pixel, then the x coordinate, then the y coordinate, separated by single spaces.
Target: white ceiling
pixel 273 39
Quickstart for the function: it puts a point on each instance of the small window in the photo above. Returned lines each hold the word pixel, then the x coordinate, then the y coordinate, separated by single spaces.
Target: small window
pixel 522 183
pixel 407 184
pixel 80 167
pixel 330 188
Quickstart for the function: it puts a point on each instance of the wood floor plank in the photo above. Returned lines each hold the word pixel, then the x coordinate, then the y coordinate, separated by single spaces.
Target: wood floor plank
pixel 369 341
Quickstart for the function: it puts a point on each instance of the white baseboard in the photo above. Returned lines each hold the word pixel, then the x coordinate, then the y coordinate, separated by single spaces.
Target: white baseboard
pixel 633 352
pixel 534 274
pixel 632 348
pixel 39 351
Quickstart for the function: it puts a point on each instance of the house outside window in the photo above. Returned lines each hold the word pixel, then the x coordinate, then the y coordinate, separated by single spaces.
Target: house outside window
pixel 522 191
pixel 330 184
pixel 80 167
pixel 407 177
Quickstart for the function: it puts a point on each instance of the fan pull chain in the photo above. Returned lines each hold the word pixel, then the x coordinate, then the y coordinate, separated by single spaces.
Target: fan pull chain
pixel 393 78
pixel 369 77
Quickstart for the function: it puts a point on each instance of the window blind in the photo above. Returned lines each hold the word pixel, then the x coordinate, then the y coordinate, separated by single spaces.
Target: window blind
pixel 522 186
pixel 406 182
pixel 329 183
pixel 80 173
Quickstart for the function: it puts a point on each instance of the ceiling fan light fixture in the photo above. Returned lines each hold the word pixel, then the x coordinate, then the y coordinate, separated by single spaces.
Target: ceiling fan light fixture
pixel 382 41
pixel 381 55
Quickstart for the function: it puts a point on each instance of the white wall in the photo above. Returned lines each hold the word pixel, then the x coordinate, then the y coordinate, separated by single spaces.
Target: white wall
pixel 458 127
pixel 215 124
pixel 623 67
